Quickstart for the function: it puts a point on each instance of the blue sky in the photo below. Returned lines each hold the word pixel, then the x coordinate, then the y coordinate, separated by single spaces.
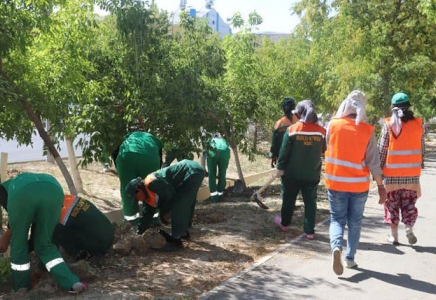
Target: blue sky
pixel 275 13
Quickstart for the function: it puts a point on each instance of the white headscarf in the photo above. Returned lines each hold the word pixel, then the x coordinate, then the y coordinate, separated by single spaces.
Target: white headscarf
pixel 396 124
pixel 354 104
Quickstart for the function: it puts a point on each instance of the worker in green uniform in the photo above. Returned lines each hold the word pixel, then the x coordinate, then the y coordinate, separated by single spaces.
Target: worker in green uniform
pixel 83 230
pixel 139 154
pixel 31 198
pixel 173 190
pixel 300 164
pixel 218 157
pixel 288 105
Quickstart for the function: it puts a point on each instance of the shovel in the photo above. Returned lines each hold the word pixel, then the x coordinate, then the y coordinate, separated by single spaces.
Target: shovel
pixel 256 195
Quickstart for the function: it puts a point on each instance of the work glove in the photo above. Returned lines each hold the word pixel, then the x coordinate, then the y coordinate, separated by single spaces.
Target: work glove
pixel 142 226
pixel 382 194
pixel 273 162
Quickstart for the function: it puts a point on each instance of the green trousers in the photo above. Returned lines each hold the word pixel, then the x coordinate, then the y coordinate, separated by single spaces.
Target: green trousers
pixel 39 203
pixel 219 161
pixel 182 210
pixel 290 189
pixel 86 230
pixel 131 165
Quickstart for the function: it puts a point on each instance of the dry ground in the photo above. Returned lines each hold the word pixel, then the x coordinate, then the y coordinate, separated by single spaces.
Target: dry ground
pixel 227 237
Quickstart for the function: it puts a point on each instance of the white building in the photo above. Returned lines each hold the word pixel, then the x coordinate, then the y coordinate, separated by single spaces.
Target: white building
pixel 208 12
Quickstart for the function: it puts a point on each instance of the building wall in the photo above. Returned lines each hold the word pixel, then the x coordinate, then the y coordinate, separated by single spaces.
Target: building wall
pixel 216 22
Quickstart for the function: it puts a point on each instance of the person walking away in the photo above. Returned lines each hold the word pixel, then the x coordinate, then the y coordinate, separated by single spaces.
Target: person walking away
pixel 351 156
pixel 300 163
pixel 288 105
pixel 139 154
pixel 218 157
pixel 173 191
pixel 402 151
pixel 35 200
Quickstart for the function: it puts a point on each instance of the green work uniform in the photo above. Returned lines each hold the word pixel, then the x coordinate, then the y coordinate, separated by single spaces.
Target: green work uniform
pixel 176 189
pixel 84 230
pixel 279 129
pixel 218 157
pixel 300 157
pixel 139 155
pixel 35 198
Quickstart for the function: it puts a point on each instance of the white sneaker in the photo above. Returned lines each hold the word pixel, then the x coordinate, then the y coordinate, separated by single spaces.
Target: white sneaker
pixel 350 264
pixel 338 268
pixel 410 236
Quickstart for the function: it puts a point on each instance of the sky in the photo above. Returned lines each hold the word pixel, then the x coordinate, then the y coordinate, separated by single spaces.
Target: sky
pixel 275 13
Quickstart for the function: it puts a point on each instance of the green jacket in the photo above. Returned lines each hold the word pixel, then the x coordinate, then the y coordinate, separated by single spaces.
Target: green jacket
pixel 301 151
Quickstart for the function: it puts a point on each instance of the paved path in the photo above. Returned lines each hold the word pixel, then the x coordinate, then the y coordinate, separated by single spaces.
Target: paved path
pixel 302 269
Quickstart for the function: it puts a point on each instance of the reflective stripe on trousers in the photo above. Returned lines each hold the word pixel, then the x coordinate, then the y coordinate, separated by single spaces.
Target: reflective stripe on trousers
pixel 131 218
pixel 53 263
pixel 23 267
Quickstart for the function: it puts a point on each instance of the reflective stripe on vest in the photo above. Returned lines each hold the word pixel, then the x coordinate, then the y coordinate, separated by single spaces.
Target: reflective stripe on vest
pixel 23 267
pixel 404 153
pixel 345 163
pixel 403 166
pixel 69 202
pixel 131 218
pixel 345 168
pixel 348 179
pixel 53 263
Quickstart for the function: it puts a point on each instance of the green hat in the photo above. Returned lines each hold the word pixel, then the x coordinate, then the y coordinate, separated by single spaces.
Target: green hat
pixel 400 98
pixel 132 186
pixel 288 104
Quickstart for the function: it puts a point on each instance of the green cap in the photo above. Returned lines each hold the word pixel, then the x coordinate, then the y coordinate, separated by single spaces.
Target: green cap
pixel 399 98
pixel 132 186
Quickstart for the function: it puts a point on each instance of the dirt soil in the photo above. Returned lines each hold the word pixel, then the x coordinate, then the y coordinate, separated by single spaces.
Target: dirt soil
pixel 227 237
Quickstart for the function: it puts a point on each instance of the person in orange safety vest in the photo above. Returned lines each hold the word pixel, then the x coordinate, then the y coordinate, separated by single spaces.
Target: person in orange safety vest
pixel 351 157
pixel 402 148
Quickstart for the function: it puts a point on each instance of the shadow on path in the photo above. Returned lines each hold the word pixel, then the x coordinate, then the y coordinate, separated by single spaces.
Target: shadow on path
pixel 403 280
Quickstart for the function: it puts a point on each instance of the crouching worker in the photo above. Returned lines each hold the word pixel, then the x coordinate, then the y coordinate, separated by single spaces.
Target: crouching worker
pixel 84 231
pixel 171 190
pixel 37 199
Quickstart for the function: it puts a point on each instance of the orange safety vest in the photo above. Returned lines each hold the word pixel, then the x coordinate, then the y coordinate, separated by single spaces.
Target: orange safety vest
pixel 345 169
pixel 69 202
pixel 404 156
pixel 152 198
pixel 282 124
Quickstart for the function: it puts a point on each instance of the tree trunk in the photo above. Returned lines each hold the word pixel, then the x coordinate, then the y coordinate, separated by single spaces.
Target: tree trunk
pixel 255 138
pixel 73 166
pixel 35 119
pixel 234 147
